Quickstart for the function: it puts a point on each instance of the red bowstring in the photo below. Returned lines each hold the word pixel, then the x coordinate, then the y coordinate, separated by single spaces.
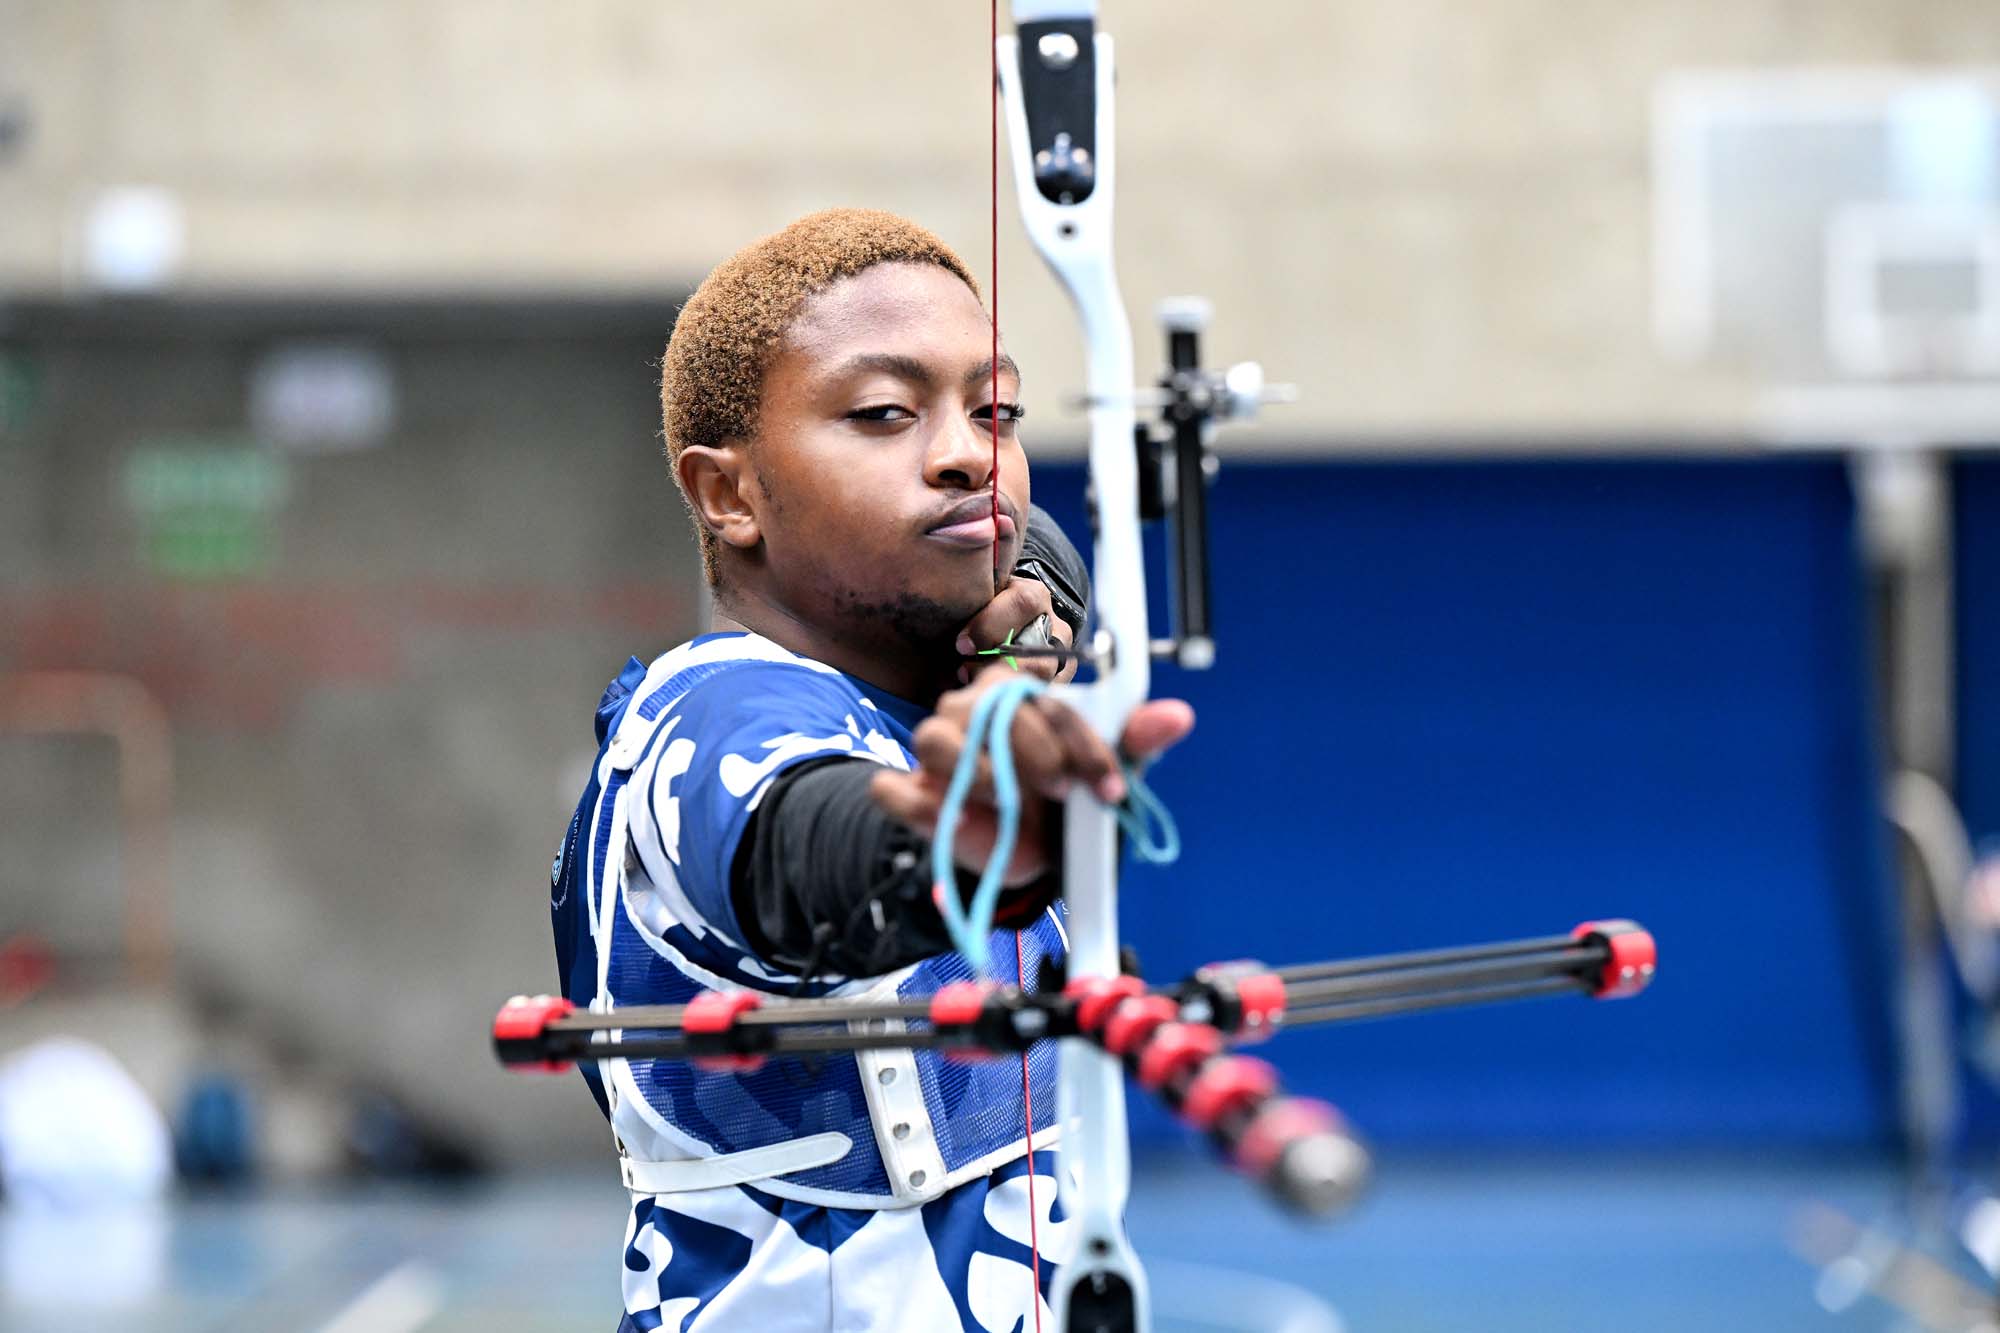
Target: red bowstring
pixel 993 473
pixel 993 477
pixel 1028 1116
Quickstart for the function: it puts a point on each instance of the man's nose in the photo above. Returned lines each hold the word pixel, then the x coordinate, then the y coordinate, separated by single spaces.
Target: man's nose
pixel 961 456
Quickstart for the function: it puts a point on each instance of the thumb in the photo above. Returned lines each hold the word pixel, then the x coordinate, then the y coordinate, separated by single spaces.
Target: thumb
pixel 1156 725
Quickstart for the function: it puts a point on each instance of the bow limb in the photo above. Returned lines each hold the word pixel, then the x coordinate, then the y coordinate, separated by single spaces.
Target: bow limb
pixel 1056 85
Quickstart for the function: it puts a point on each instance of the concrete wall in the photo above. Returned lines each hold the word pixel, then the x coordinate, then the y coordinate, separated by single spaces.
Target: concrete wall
pixel 1431 213
pixel 381 721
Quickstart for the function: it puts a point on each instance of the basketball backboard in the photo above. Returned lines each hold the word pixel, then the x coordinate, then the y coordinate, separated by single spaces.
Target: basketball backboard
pixel 1833 235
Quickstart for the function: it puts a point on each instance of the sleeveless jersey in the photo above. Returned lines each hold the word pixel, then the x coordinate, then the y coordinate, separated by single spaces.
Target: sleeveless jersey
pixel 642 911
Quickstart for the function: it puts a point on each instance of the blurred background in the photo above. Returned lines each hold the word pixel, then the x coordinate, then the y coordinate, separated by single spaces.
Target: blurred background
pixel 1633 549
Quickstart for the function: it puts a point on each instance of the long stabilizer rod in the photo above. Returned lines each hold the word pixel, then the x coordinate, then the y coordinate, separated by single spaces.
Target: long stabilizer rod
pixel 1176 1041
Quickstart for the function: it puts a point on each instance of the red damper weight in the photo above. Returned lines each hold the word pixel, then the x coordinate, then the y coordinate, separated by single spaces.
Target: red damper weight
pixel 519 1027
pixel 713 1014
pixel 1631 956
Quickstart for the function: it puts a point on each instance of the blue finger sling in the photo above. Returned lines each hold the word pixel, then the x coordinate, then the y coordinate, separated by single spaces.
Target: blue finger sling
pixel 1148 825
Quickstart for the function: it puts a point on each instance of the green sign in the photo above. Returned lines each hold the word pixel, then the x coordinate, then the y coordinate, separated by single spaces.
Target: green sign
pixel 206 506
pixel 20 393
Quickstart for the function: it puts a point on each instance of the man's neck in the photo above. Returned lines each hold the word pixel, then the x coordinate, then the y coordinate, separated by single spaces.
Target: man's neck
pixel 893 670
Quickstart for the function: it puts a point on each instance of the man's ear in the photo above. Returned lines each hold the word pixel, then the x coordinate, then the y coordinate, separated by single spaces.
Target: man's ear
pixel 715 481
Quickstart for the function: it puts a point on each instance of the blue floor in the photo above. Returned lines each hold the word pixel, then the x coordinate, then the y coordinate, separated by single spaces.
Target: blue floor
pixel 1532 1248
pixel 1438 1245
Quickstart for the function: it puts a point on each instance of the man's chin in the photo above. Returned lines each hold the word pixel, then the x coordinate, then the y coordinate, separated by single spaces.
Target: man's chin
pixel 924 622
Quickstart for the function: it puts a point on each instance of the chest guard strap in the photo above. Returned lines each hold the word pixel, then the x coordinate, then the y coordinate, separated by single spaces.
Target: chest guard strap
pixel 736 1168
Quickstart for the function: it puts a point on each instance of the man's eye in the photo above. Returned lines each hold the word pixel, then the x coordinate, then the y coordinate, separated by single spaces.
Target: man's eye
pixel 886 412
pixel 1009 412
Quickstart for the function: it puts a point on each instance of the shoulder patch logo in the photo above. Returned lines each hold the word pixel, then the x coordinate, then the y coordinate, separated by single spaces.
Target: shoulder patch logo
pixel 558 891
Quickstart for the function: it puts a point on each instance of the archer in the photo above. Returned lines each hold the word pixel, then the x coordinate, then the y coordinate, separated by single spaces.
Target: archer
pixel 758 818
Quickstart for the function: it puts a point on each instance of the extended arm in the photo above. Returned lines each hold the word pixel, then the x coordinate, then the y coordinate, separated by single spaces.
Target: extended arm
pixel 825 881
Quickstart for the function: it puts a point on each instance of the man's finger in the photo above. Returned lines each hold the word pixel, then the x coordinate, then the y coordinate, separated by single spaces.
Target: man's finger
pixel 1086 756
pixel 1040 760
pixel 1065 669
pixel 1045 667
pixel 940 737
pixel 1156 725
pixel 938 750
pixel 1013 609
pixel 915 804
pixel 906 799
pixel 1040 756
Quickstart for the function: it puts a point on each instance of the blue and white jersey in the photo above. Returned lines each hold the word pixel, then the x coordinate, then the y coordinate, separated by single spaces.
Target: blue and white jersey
pixel 979 1259
pixel 643 915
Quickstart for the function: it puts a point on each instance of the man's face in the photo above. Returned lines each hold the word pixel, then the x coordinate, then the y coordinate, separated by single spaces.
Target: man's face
pixel 872 468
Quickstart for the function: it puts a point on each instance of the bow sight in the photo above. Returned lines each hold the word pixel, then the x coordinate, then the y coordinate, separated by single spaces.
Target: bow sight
pixel 1177 462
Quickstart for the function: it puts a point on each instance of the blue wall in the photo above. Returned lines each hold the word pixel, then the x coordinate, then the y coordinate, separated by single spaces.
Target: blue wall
pixel 1977 492
pixel 1469 701
pixel 1978 523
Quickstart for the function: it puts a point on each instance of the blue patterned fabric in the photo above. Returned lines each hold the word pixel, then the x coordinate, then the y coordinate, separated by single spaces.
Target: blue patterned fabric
pixel 688 747
pixel 727 1260
pixel 975 1107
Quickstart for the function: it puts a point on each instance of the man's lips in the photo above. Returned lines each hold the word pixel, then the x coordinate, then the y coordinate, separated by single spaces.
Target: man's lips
pixel 971 523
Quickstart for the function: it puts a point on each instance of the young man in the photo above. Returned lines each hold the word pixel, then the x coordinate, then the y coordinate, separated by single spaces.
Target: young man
pixel 759 812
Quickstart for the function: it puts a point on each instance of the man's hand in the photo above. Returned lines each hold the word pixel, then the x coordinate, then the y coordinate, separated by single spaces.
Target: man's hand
pixel 1054 751
pixel 1013 609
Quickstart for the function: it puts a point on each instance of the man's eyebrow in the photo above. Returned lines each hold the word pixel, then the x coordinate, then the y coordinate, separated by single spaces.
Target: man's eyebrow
pixel 917 372
pixel 888 363
pixel 984 370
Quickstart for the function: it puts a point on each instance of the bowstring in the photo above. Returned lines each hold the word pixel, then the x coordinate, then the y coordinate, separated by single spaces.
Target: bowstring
pixel 993 481
pixel 993 286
